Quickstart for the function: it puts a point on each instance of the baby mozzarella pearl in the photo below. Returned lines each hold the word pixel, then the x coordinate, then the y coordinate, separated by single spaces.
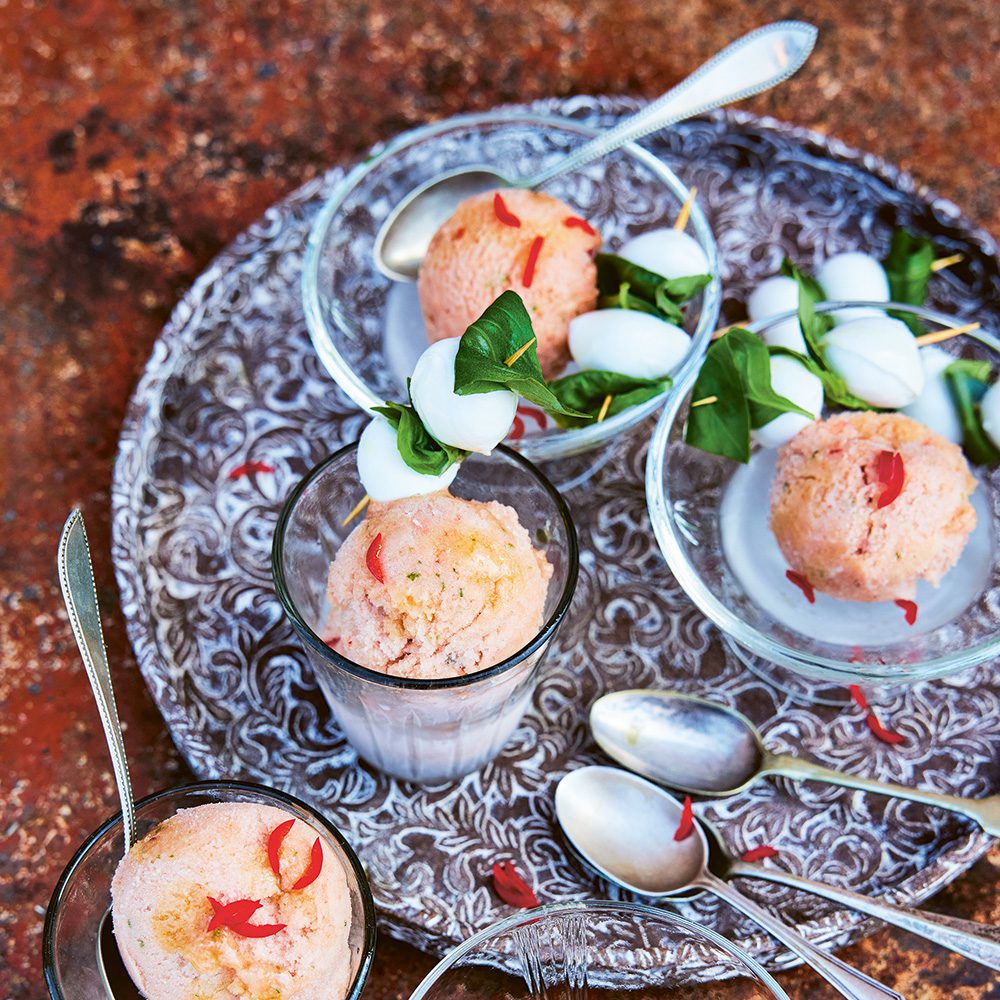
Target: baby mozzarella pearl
pixel 771 297
pixel 478 422
pixel 384 474
pixel 989 413
pixel 627 341
pixel 794 381
pixel 853 275
pixel 934 406
pixel 879 360
pixel 667 252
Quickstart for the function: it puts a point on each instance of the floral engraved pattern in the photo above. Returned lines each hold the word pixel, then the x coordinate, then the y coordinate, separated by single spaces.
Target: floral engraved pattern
pixel 233 379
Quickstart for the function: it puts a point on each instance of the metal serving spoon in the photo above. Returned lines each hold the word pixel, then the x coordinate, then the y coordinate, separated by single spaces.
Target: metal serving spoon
pixel 76 577
pixel 622 826
pixel 754 63
pixel 701 747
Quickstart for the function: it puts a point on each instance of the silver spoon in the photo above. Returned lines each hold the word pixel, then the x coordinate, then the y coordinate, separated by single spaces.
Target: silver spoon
pixel 701 747
pixel 623 826
pixel 754 63
pixel 76 577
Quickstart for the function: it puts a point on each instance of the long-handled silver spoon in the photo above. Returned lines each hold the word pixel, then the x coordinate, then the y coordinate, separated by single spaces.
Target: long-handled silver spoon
pixel 754 63
pixel 701 747
pixel 623 826
pixel 76 577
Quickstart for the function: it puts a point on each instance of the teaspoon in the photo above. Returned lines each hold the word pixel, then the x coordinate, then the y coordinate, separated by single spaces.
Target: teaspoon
pixel 754 63
pixel 702 747
pixel 76 577
pixel 622 826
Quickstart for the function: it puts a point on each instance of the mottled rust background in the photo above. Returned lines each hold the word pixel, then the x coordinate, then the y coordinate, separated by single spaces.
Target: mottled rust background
pixel 138 138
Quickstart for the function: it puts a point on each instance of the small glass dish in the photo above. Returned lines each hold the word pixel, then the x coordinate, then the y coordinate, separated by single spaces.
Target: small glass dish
pixel 578 949
pixel 368 330
pixel 833 642
pixel 426 730
pixel 82 895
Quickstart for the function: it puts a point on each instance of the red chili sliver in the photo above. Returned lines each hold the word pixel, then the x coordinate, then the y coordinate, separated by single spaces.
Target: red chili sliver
pixel 503 213
pixel 249 467
pixel 258 930
pixel 274 841
pixel 803 584
pixel 758 853
pixel 574 223
pixel 373 558
pixel 511 888
pixel 314 868
pixel 891 474
pixel 885 735
pixel 529 264
pixel 859 697
pixel 686 825
pixel 239 911
pixel 909 611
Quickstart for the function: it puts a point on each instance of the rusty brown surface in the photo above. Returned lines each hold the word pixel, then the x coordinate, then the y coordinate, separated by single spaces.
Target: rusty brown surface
pixel 139 137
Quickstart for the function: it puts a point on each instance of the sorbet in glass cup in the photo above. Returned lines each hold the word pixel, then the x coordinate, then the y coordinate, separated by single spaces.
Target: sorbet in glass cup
pixel 456 697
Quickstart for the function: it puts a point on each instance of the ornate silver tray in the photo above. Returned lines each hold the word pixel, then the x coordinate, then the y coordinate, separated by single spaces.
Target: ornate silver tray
pixel 233 378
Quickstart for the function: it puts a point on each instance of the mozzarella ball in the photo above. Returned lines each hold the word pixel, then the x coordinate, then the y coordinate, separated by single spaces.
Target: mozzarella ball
pixel 795 382
pixel 989 413
pixel 478 422
pixel 853 276
pixel 384 474
pixel 879 360
pixel 627 341
pixel 666 252
pixel 934 407
pixel 771 297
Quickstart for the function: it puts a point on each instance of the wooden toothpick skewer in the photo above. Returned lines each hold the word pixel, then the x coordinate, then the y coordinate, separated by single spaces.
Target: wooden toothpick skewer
pixel 365 500
pixel 685 213
pixel 723 330
pixel 935 338
pixel 604 408
pixel 519 352
pixel 942 262
pixel 706 401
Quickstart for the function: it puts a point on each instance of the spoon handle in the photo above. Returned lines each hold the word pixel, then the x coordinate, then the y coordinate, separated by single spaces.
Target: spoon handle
pixel 76 577
pixel 849 982
pixel 986 812
pixel 980 942
pixel 755 62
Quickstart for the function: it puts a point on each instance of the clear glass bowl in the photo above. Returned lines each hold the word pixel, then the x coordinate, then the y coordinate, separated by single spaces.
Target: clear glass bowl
pixel 596 948
pixel 367 330
pixel 83 893
pixel 420 730
pixel 958 625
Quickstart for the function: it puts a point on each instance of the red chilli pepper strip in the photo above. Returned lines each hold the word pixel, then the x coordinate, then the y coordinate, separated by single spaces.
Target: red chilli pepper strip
pixel 803 584
pixel 529 264
pixel 511 888
pixel 274 841
pixel 574 223
pixel 859 697
pixel 503 213
pixel 880 732
pixel 239 911
pixel 909 611
pixel 258 930
pixel 314 868
pixel 373 558
pixel 686 825
pixel 249 467
pixel 759 853
pixel 891 475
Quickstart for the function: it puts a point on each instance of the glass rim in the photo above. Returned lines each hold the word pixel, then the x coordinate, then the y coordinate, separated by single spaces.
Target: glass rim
pixel 550 444
pixel 316 643
pixel 600 906
pixel 361 878
pixel 747 636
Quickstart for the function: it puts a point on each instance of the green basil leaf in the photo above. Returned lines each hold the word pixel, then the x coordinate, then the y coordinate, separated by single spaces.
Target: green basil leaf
pixel 658 295
pixel 814 325
pixel 501 331
pixel 624 299
pixel 908 268
pixel 418 448
pixel 586 391
pixel 834 387
pixel 967 383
